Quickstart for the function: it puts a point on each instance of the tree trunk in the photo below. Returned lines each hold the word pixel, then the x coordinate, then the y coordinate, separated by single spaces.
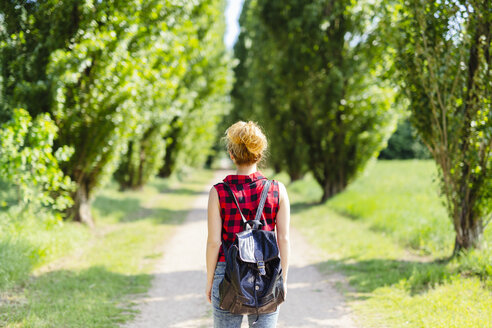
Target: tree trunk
pixel 169 159
pixel 125 173
pixel 295 175
pixel 277 168
pixel 469 233
pixel 81 210
pixel 168 166
pixel 209 161
pixel 294 166
pixel 139 181
pixel 171 152
pixel 330 189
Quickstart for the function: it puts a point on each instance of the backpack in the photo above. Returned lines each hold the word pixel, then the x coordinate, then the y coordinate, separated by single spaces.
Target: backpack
pixel 253 282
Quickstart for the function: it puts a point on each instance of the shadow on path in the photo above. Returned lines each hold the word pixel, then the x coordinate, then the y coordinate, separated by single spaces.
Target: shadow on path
pixel 136 211
pixel 164 188
pixel 177 298
pixel 309 303
pixel 368 275
pixel 58 296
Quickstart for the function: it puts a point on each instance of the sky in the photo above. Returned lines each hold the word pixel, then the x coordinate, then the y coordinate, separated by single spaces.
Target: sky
pixel 232 15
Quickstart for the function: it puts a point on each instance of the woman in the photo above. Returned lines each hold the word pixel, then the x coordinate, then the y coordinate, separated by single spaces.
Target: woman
pixel 246 145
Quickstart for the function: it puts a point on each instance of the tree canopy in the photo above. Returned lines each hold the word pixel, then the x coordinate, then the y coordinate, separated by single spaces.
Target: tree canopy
pixel 114 75
pixel 312 75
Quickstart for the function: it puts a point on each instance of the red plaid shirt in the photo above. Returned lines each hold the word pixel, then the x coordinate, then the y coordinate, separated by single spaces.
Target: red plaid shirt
pixel 247 189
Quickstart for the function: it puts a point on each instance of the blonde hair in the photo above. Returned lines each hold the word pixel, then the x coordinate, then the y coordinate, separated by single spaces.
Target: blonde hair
pixel 246 142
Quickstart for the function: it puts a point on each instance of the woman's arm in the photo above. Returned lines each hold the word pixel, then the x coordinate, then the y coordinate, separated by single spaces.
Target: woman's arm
pixel 283 224
pixel 213 240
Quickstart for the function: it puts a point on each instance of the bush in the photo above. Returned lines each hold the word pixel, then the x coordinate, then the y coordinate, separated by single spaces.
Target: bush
pixel 404 144
pixel 29 171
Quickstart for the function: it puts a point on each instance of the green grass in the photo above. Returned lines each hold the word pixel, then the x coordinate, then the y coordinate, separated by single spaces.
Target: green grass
pixel 374 233
pixel 30 240
pixel 401 198
pixel 87 282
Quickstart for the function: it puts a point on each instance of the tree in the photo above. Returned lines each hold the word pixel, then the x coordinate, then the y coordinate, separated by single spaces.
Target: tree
pixel 444 65
pixel 142 159
pixel 404 143
pixel 189 40
pixel 202 95
pixel 108 54
pixel 312 72
pixel 108 73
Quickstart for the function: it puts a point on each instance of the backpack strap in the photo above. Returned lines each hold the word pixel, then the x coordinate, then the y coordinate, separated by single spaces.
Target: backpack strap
pixel 264 194
pixel 259 211
pixel 235 201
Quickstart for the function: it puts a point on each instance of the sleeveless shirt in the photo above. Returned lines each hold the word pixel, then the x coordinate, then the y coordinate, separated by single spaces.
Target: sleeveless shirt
pixel 247 189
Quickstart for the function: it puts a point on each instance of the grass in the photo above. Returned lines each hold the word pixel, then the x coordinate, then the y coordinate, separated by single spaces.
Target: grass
pixel 29 240
pixel 376 233
pixel 401 198
pixel 87 282
pixel 56 274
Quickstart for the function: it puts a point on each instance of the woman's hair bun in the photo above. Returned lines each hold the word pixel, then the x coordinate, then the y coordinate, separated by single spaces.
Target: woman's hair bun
pixel 246 135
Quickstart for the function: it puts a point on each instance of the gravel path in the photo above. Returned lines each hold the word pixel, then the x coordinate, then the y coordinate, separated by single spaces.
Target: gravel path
pixel 177 299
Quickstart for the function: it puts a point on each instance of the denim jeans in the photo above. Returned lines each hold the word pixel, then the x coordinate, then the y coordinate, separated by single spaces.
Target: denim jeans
pixel 225 319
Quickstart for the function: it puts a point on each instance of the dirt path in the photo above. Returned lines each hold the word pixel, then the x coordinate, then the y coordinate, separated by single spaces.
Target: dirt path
pixel 176 298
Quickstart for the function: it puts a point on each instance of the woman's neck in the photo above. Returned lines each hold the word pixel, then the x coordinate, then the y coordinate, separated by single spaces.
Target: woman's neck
pixel 246 169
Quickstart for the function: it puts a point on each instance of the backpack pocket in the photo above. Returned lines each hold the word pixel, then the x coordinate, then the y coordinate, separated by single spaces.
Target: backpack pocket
pixel 227 295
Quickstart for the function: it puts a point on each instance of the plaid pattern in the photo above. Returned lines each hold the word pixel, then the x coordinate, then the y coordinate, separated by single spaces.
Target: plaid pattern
pixel 247 189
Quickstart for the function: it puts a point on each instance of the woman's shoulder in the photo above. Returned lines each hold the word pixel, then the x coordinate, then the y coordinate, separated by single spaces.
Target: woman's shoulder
pixel 218 184
pixel 281 189
pixel 218 188
pixel 278 183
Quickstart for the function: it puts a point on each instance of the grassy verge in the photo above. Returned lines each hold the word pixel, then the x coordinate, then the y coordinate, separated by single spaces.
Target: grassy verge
pixel 86 282
pixel 374 233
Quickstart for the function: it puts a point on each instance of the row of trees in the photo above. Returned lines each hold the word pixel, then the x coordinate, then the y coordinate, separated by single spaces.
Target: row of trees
pixel 329 80
pixel 130 87
pixel 311 73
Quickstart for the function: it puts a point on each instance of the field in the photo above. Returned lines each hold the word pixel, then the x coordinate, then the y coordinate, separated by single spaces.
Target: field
pixel 388 233
pixel 54 272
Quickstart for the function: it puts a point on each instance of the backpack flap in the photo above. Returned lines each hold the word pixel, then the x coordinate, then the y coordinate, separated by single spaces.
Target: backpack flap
pixel 257 246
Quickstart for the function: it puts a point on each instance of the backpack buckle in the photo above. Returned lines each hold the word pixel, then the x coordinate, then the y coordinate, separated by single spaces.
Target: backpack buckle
pixel 261 267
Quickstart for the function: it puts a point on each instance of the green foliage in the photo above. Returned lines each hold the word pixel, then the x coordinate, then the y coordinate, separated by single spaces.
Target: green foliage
pixel 115 72
pixel 202 96
pixel 194 104
pixel 404 144
pixel 29 170
pixel 395 198
pixel 112 56
pixel 312 75
pixel 142 160
pixel 443 59
pixel 29 32
pixel 477 263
